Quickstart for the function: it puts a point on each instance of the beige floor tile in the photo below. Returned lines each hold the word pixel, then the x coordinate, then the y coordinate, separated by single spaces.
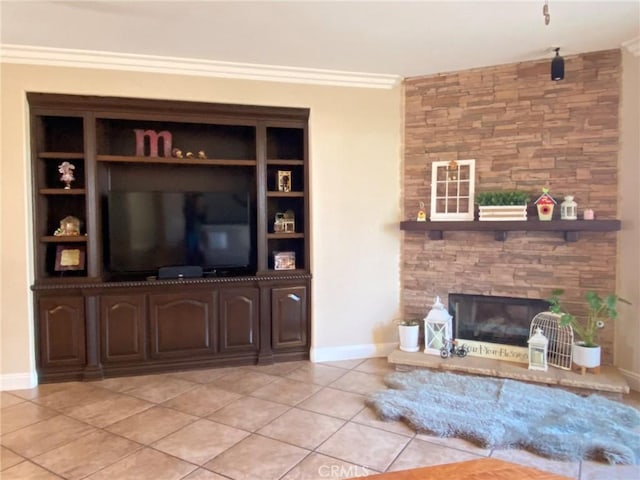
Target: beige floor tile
pixel 288 392
pixel 200 441
pixel 522 457
pixel 28 471
pixel 359 382
pixel 279 369
pixel 75 395
pixel 346 364
pixel 249 413
pixel 321 467
pixel 376 366
pixel 145 464
pixel 124 384
pixel 201 376
pixel 202 400
pixel 602 471
pixel 422 454
pixel 202 474
pixel 151 425
pixel 8 459
pixel 8 400
pixel 257 458
pixel 316 373
pixel 368 417
pixel 366 446
pixel 161 388
pixel 110 410
pixel 86 455
pixel 43 390
pixel 302 428
pixel 457 443
pixel 244 382
pixel 336 403
pixel 43 436
pixel 23 414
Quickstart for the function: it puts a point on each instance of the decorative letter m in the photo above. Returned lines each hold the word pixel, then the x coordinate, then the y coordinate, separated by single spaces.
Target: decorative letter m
pixel 154 139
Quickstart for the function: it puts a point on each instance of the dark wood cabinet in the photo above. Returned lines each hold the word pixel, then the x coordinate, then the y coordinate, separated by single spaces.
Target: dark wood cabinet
pixel 239 318
pixel 97 318
pixel 123 328
pixel 289 317
pixel 61 332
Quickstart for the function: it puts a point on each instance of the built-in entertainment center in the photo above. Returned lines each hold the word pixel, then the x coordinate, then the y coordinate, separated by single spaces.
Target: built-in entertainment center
pixel 167 235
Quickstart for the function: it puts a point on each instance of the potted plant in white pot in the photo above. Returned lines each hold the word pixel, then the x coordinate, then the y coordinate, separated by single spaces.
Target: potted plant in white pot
pixel 409 331
pixel 587 352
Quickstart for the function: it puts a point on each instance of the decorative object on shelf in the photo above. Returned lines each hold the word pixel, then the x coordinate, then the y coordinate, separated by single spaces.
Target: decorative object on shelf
pixel 452 190
pixel 69 227
pixel 177 153
pixel 66 174
pixel 422 214
pixel 538 345
pixel 586 353
pixel 560 338
pixel 154 142
pixel 69 258
pixel 437 328
pixel 202 155
pixel 284 222
pixel 569 209
pixel 451 347
pixel 588 214
pixel 502 205
pixel 284 260
pixel 189 155
pixel 557 66
pixel 284 180
pixel 545 204
pixel 409 332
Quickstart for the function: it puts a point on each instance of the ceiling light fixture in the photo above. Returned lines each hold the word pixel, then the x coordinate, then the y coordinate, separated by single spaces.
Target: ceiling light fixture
pixel 557 66
pixel 545 12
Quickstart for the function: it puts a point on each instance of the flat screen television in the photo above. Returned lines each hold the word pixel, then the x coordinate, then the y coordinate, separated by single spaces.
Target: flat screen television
pixel 150 230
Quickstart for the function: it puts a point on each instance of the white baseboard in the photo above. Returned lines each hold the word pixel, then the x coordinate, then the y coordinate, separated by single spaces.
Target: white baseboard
pixel 350 352
pixel 632 378
pixel 18 381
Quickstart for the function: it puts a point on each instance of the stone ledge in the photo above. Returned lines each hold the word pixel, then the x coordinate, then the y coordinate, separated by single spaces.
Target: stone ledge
pixel 609 380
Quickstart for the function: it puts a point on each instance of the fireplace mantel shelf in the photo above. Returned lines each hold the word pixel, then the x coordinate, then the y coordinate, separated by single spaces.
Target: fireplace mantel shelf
pixel 570 228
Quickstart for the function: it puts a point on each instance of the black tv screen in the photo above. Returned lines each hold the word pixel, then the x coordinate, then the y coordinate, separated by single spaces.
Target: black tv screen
pixel 149 230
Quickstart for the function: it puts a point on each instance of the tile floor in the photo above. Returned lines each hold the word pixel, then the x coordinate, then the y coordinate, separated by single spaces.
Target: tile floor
pixel 287 421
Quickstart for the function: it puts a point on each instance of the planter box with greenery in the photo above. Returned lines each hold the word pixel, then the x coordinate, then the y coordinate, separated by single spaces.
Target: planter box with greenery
pixel 502 205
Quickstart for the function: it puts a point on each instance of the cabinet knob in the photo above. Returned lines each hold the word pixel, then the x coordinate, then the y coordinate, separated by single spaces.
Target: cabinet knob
pixel 293 297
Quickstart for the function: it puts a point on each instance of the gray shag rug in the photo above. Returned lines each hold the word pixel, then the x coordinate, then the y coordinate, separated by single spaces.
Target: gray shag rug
pixel 499 413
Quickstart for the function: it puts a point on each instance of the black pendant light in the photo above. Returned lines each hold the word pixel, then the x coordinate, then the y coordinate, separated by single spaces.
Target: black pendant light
pixel 557 66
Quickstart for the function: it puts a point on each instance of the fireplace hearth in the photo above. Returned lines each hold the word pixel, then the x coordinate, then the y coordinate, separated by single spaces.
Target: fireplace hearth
pixel 494 319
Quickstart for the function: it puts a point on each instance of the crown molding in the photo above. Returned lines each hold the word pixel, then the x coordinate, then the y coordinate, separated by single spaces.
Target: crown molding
pixel 62 57
pixel 633 46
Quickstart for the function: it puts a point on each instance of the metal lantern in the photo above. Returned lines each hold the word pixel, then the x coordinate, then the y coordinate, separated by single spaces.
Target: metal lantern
pixel 538 345
pixel 437 328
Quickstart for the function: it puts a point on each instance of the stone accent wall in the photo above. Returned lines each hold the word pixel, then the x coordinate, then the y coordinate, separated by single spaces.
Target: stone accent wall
pixel 524 132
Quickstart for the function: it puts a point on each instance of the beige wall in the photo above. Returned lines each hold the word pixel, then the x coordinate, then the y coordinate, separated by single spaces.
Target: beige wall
pixel 628 327
pixel 355 136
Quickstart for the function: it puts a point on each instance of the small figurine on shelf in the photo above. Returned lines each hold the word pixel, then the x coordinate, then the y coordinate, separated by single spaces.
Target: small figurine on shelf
pixel 177 153
pixel 202 155
pixel 189 155
pixel 422 214
pixel 66 174
pixel 69 227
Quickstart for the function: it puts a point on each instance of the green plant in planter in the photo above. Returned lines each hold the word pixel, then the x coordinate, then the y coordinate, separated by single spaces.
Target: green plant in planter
pixel 507 197
pixel 408 323
pixel 600 310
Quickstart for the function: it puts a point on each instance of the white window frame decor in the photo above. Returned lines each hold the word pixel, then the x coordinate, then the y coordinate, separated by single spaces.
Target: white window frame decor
pixel 453 190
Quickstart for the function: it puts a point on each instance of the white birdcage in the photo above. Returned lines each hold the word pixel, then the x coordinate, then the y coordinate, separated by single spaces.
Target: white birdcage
pixel 560 338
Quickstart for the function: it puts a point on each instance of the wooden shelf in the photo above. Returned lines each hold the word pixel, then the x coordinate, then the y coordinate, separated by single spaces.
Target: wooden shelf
pixel 61 155
pixel 570 228
pixel 278 236
pixel 285 162
pixel 285 194
pixel 63 239
pixel 176 161
pixel 62 191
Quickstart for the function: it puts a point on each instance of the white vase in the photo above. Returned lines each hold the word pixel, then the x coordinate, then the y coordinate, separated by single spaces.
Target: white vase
pixel 409 337
pixel 588 357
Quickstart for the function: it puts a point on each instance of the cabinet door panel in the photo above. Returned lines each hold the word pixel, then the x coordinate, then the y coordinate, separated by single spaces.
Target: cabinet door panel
pixel 122 327
pixel 62 332
pixel 239 319
pixel 289 317
pixel 182 324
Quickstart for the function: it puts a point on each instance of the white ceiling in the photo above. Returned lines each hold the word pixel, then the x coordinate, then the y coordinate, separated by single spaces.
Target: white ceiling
pixel 376 37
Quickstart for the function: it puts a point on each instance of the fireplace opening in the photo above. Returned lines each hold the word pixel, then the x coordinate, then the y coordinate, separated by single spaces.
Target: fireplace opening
pixel 494 319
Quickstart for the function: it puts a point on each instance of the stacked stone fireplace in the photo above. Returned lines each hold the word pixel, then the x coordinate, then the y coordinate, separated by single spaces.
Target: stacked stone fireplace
pixel 524 132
